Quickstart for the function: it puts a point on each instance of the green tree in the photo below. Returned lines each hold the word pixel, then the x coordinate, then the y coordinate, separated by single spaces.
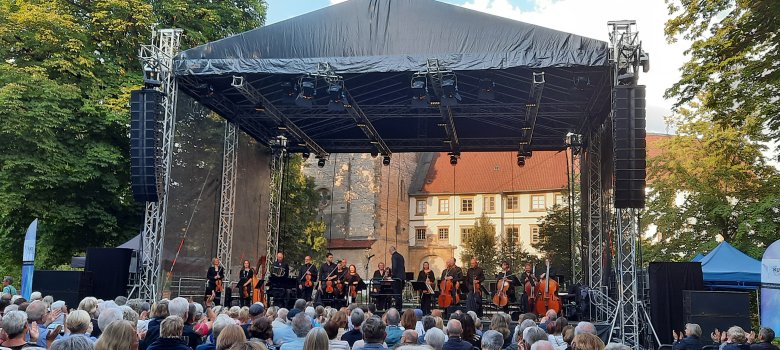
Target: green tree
pixel 733 57
pixel 555 240
pixel 512 251
pixel 301 233
pixel 481 244
pixel 66 73
pixel 711 181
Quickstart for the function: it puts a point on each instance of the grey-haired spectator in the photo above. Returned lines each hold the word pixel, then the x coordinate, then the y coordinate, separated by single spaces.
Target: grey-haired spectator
pixel 73 343
pixel 373 334
pixel 492 340
pixel 435 338
pixel 8 285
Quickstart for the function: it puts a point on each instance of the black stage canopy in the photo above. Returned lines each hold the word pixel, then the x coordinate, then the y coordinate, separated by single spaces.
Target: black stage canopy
pixel 376 47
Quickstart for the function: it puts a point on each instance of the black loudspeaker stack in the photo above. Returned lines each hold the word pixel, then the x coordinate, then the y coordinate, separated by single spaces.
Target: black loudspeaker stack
pixel 68 286
pixel 630 146
pixel 110 268
pixel 145 167
pixel 721 310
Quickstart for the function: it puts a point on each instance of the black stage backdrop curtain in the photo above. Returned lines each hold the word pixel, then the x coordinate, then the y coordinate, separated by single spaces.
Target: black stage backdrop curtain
pixel 667 282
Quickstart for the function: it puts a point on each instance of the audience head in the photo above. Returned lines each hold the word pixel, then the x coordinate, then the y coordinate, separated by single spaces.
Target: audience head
pixel 766 334
pixel 300 304
pixel 468 326
pixel 119 335
pixel 261 328
pixel 373 330
pixel 35 296
pixel 532 335
pixel 109 315
pixel 248 345
pixel 73 343
pixel 585 327
pixel 89 304
pixel 332 329
pixel 693 329
pixel 587 341
pixel 179 307
pixel 171 327
pixel 551 315
pixel 316 339
pixel 230 335
pixel 392 316
pixel 568 334
pixel 454 328
pixel 518 336
pixel 434 338
pixel 128 314
pixel 492 340
pixel 617 346
pixel 542 345
pixel 36 311
pixel 499 323
pixel 357 317
pixel 301 325
pixel 428 322
pixel 737 335
pixel 78 322
pixel 15 323
pixel 408 319
pixel 409 337
pixel 282 314
pixel 220 324
pixel 120 300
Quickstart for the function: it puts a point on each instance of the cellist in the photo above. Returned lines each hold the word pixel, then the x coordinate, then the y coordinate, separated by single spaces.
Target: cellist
pixel 506 272
pixel 454 274
pixel 306 284
pixel 475 276
pixel 529 281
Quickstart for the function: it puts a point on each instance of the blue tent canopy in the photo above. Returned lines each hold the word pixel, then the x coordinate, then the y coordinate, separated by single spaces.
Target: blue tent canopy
pixel 698 257
pixel 728 267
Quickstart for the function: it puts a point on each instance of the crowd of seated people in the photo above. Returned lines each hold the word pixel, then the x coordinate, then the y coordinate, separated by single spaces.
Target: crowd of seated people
pixel 179 324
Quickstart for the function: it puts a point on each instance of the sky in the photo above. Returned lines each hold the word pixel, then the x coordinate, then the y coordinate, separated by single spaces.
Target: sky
pixel 582 17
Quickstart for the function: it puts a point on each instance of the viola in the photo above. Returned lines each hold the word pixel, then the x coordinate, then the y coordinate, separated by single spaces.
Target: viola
pixel 547 298
pixel 477 288
pixel 353 289
pixel 329 287
pixel 307 280
pixel 501 298
pixel 218 287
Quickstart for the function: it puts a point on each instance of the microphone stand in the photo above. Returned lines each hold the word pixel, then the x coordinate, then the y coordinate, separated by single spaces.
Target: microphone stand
pixel 368 264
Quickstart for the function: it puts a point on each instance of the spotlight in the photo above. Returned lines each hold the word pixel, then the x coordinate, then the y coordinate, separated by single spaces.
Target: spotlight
pixel 374 154
pixel 306 155
pixel 486 90
pixel 151 77
pixel 386 160
pixel 307 87
pixel 581 82
pixel 289 91
pixel 520 160
pixel 337 97
pixel 524 151
pixel 454 158
pixel 420 98
pixel 449 90
pixel 321 162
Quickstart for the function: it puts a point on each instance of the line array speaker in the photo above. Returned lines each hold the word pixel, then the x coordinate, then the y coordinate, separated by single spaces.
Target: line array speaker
pixel 630 146
pixel 145 159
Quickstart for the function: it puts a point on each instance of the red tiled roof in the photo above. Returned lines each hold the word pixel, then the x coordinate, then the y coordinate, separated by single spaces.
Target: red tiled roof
pixel 341 243
pixel 496 172
pixel 653 148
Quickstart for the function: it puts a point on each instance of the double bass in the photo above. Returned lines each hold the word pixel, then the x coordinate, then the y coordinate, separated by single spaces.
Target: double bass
pixel 547 294
pixel 530 290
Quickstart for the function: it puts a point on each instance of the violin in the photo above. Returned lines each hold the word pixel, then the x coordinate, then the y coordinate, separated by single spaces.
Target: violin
pixel 547 298
pixel 353 289
pixel 307 280
pixel 329 286
pixel 218 287
pixel 501 298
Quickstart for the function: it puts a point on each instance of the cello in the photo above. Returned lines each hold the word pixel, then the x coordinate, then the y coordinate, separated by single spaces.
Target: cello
pixel 445 292
pixel 530 289
pixel 547 298
pixel 501 298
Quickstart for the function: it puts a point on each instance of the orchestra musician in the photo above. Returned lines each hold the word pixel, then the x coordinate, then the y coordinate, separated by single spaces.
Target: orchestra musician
pixel 506 272
pixel 214 274
pixel 306 284
pixel 453 273
pixel 351 280
pixel 327 273
pixel 399 276
pixel 527 277
pixel 474 276
pixel 244 285
pixel 379 275
pixel 340 275
pixel 426 276
pixel 280 268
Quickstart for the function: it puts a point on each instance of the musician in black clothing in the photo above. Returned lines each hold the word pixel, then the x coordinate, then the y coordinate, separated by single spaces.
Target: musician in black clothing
pixel 527 277
pixel 474 298
pixel 305 287
pixel 379 276
pixel 244 285
pixel 511 279
pixel 280 268
pixel 327 273
pixel 399 276
pixel 216 273
pixel 351 278
pixel 453 273
pixel 281 296
pixel 426 276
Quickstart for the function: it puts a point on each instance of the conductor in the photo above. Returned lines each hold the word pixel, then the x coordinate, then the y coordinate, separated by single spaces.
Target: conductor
pixel 399 276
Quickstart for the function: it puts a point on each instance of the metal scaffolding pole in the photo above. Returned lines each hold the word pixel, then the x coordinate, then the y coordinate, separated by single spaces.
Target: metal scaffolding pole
pixel 600 310
pixel 574 142
pixel 228 198
pixel 157 58
pixel 628 315
pixel 279 149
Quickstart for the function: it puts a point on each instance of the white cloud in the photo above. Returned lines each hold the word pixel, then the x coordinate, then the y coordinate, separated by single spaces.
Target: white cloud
pixel 333 2
pixel 589 18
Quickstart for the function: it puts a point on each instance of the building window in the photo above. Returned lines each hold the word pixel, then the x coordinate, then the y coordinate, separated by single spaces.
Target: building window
pixel 444 233
pixel 537 202
pixel 465 232
pixel 444 206
pixel 534 234
pixel 420 234
pixel 467 205
pixel 513 234
pixel 559 199
pixel 513 202
pixel 420 207
pixel 490 204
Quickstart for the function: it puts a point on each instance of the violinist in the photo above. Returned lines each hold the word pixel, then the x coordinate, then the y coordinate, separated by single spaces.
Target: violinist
pixel 529 281
pixel 452 273
pixel 244 284
pixel 307 278
pixel 475 276
pixel 340 275
pixel 327 274
pixel 215 275
pixel 427 276
pixel 351 281
pixel 511 279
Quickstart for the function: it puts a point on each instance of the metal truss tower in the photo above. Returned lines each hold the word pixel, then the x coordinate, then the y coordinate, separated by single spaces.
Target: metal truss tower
pixel 574 142
pixel 228 198
pixel 279 149
pixel 157 60
pixel 595 252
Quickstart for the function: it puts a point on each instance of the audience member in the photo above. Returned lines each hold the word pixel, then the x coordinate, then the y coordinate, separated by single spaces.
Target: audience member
pixel 283 332
pixel 230 335
pixel 409 337
pixel 78 323
pixel 357 317
pixel 736 339
pixel 73 343
pixel 373 334
pixel 477 322
pixel 555 336
pixel 317 339
pixel 17 329
pixel 541 345
pixel 568 335
pixel 500 324
pixel 469 332
pixel 171 330
pixel 408 319
pixel 332 330
pixel 617 346
pixel 261 331
pixel 248 345
pixel 394 331
pixel 301 325
pixel 428 322
pixel 492 340
pixel 118 335
pixel 690 341
pixel 435 338
pixel 455 341
pixel 220 324
pixel 765 337
pixel 587 341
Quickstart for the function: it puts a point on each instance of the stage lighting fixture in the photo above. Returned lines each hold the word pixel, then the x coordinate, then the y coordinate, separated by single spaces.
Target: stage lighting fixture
pixel 289 92
pixel 321 162
pixel 449 90
pixel 337 97
pixel 374 154
pixel 520 160
pixel 306 155
pixel 454 158
pixel 581 82
pixel 151 77
pixel 486 90
pixel 386 160
pixel 420 98
pixel 307 87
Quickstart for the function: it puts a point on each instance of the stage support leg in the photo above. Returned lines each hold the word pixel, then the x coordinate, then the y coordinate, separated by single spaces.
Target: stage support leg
pixel 228 199
pixel 279 149
pixel 575 147
pixel 599 309
pixel 628 304
pixel 158 58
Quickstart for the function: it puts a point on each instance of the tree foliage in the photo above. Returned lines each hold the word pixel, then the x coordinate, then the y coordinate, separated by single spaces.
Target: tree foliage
pixel 514 253
pixel 481 244
pixel 301 233
pixel 733 57
pixel 711 181
pixel 555 240
pixel 66 70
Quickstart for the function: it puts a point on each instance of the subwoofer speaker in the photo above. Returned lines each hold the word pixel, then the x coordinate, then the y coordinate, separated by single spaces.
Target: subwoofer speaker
pixel 145 160
pixel 630 146
pixel 716 309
